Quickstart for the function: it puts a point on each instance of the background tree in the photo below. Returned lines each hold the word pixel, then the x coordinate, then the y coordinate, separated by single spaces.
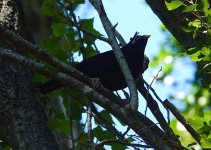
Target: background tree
pixel 24 123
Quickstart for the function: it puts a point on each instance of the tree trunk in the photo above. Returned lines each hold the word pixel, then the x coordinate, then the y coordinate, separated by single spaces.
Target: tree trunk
pixel 23 121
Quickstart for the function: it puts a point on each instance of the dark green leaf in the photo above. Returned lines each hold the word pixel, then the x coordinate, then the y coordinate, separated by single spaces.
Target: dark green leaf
pixel 90 52
pixel 203 5
pixel 58 29
pixel 187 29
pixel 54 46
pixel 174 4
pixel 88 25
pixel 107 116
pixel 189 8
pixel 101 134
pixel 75 3
pixel 62 125
pixel 118 146
pixel 48 7
pixel 75 110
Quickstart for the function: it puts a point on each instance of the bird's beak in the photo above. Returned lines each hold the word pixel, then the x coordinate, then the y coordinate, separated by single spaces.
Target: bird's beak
pixel 147 36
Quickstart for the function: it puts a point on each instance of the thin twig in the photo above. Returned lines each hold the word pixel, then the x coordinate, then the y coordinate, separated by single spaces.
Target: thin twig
pixel 82 48
pixel 159 99
pixel 106 124
pixel 71 126
pixel 128 129
pixel 109 141
pixel 72 23
pixel 89 124
pixel 149 86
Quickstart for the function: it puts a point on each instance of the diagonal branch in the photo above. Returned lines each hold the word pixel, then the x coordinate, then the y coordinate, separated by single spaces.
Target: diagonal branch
pixel 110 30
pixel 181 119
pixel 153 106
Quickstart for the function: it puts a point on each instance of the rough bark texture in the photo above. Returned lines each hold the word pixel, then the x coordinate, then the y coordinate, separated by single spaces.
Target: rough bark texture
pixel 23 122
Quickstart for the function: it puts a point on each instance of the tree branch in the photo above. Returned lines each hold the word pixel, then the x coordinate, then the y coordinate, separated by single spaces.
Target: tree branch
pixel 110 30
pixel 153 106
pixel 181 119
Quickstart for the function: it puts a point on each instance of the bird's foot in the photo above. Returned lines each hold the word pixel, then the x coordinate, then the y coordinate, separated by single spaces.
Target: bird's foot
pixel 95 83
pixel 127 97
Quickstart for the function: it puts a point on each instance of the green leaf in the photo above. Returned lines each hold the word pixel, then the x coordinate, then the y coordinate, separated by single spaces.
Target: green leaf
pixel 101 134
pixel 38 77
pixel 203 5
pixel 206 143
pixel 62 125
pixel 209 17
pixel 206 53
pixel 196 23
pixel 75 3
pixel 189 8
pixel 47 7
pixel 54 47
pixel 207 115
pixel 118 146
pixel 187 29
pixel 205 129
pixel 130 139
pixel 76 112
pixel 195 56
pixel 88 24
pixel 173 4
pixel 58 29
pixel 107 116
pixel 90 52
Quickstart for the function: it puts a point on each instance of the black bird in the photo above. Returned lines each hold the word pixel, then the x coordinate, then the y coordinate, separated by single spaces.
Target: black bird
pixel 105 66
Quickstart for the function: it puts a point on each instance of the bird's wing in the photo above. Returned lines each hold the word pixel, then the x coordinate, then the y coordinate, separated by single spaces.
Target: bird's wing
pixel 98 65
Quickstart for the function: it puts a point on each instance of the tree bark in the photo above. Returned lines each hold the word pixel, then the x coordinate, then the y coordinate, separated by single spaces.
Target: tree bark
pixel 23 121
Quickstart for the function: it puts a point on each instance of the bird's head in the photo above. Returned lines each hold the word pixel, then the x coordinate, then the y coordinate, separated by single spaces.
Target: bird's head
pixel 140 39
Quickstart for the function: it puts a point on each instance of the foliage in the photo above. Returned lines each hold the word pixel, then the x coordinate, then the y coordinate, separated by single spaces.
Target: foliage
pixel 198 16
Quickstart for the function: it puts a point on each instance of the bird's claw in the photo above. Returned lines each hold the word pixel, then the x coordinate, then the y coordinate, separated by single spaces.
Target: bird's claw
pixel 95 83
